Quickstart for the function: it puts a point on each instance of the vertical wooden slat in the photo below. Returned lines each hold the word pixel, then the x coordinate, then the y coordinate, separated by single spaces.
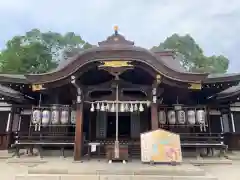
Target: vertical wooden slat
pixel 154 116
pixel 78 132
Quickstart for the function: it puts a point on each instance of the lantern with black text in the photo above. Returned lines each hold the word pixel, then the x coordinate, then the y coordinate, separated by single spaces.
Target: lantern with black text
pixel 200 116
pixel 36 116
pixel 73 117
pixel 181 117
pixel 45 117
pixel 162 117
pixel 64 116
pixel 191 116
pixel 171 117
pixel 55 116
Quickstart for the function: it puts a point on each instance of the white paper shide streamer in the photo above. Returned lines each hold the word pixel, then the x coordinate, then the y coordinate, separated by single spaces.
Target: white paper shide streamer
pixel 191 116
pixel 171 117
pixel 181 117
pixel 162 117
pixel 45 117
pixel 36 116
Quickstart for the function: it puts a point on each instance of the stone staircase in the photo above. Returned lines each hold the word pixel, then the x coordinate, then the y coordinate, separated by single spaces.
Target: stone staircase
pixel 135 151
pixel 110 177
pixel 67 170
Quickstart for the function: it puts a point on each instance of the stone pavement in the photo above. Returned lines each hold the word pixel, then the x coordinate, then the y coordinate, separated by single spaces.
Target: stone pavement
pixel 32 168
pixel 224 172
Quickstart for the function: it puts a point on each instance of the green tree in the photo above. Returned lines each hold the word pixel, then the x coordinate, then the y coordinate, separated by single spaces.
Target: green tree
pixel 30 58
pixel 192 56
pixel 38 52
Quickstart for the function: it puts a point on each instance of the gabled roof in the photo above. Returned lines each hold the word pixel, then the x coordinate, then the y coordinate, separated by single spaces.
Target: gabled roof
pixel 216 78
pixel 229 92
pixel 16 78
pixel 171 60
pixel 117 47
pixel 11 93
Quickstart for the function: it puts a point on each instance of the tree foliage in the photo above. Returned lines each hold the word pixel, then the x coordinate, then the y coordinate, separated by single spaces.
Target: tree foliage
pixel 192 56
pixel 38 52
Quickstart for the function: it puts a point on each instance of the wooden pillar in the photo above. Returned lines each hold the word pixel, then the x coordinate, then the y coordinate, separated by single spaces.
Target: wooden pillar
pixel 9 128
pixel 154 116
pixel 78 132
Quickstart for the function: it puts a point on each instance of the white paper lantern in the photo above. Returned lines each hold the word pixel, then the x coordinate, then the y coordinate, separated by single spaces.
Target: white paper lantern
pixel 55 117
pixel 181 117
pixel 36 116
pixel 162 117
pixel 64 117
pixel 201 116
pixel 191 116
pixel 171 117
pixel 73 117
pixel 45 117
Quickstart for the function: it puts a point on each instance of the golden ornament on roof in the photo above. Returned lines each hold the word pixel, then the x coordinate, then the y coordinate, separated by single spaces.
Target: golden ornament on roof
pixel 115 28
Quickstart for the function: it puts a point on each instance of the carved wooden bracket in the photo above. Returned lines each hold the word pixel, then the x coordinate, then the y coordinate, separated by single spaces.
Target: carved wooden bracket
pixel 79 91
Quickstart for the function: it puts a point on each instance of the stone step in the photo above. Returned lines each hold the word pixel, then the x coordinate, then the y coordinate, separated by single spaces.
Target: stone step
pixel 208 161
pixel 16 160
pixel 117 169
pixel 109 177
pixel 120 172
pixel 4 154
pixel 234 155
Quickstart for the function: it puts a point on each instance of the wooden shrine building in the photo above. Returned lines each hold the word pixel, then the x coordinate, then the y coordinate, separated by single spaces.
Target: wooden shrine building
pixel 107 95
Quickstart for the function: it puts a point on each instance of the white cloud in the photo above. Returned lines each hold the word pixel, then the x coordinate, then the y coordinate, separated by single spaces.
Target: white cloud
pixel 214 24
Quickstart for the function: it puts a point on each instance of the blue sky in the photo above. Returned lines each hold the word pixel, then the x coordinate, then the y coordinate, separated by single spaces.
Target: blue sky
pixel 214 24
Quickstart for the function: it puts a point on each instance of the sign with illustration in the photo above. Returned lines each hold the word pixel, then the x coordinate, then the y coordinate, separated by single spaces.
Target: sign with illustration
pixel 160 146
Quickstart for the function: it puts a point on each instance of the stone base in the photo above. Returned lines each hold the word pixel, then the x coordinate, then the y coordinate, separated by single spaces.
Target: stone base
pixel 207 161
pixel 234 155
pixel 111 177
pixel 103 168
pixel 20 160
pixel 5 154
pixel 66 170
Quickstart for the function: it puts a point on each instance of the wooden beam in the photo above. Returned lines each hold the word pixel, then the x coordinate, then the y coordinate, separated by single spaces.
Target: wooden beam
pixel 122 84
pixel 78 133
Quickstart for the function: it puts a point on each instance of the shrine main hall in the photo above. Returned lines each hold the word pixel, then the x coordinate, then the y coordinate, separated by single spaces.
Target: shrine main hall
pixel 99 101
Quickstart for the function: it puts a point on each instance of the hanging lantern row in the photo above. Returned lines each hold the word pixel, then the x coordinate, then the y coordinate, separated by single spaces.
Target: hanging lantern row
pixel 179 117
pixel 124 106
pixel 53 117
